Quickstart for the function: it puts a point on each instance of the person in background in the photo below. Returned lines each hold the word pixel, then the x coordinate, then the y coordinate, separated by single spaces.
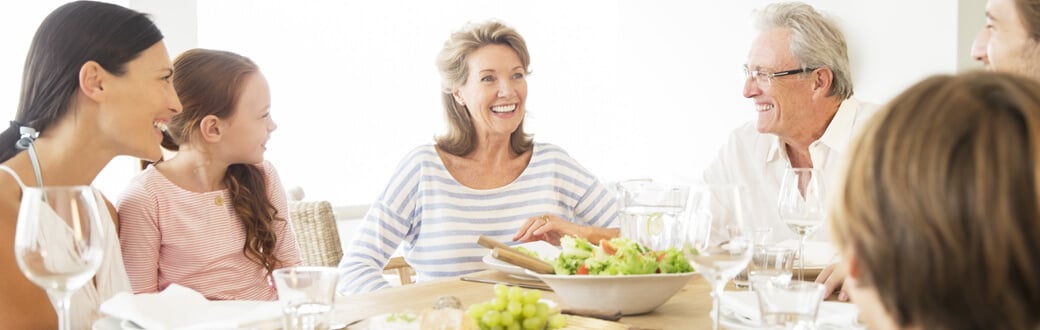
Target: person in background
pixel 213 217
pixel 937 219
pixel 800 85
pixel 485 176
pixel 1010 41
pixel 96 84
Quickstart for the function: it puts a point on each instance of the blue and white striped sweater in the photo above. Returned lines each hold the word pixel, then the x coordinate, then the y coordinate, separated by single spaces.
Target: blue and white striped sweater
pixel 437 221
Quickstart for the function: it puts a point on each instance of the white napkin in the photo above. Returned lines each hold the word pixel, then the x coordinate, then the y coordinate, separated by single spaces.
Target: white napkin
pixel 178 307
pixel 743 306
pixel 817 254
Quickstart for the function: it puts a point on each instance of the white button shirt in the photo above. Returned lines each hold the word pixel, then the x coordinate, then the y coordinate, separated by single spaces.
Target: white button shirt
pixel 758 161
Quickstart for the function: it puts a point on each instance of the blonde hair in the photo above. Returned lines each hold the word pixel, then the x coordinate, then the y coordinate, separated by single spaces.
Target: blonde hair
pixel 815 40
pixel 940 204
pixel 452 62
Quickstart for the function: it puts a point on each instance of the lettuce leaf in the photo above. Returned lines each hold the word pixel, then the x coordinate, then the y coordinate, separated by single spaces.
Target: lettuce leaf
pixel 618 256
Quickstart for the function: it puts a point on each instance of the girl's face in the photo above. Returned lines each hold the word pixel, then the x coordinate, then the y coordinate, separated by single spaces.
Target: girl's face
pixel 495 90
pixel 246 132
pixel 139 103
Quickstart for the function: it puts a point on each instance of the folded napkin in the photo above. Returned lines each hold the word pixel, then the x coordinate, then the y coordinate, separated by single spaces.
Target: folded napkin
pixel 178 307
pixel 817 254
pixel 743 307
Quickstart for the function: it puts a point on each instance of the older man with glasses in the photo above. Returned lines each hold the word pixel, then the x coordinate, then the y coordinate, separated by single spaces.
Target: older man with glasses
pixel 799 82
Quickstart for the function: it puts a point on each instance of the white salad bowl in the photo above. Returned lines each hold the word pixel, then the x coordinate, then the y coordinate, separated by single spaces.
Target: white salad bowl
pixel 631 294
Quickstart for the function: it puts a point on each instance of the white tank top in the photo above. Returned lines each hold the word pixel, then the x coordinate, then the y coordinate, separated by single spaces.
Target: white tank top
pixel 111 277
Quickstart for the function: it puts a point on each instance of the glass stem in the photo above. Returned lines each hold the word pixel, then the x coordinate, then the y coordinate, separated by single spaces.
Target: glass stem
pixel 716 293
pixel 801 258
pixel 63 305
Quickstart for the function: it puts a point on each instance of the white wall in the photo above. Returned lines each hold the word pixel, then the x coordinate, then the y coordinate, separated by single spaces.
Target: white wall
pixel 630 88
pixel 971 18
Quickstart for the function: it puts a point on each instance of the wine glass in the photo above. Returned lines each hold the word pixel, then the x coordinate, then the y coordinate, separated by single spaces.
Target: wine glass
pixel 802 206
pixel 59 242
pixel 718 236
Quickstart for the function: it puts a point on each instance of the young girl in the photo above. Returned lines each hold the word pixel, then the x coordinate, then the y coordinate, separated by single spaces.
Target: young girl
pixel 96 85
pixel 213 217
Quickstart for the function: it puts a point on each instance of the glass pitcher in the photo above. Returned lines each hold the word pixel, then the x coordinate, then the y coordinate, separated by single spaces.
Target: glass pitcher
pixel 651 213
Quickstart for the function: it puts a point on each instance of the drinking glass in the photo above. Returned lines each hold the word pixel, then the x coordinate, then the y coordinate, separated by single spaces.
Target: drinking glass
pixel 772 263
pixel 59 242
pixel 802 206
pixel 651 213
pixel 718 237
pixel 308 295
pixel 788 304
pixel 761 236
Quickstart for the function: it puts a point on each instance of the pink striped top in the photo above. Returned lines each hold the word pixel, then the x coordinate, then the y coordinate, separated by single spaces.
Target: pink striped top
pixel 171 235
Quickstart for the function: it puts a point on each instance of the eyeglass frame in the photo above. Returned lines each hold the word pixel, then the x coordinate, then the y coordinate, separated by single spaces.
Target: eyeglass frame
pixel 748 74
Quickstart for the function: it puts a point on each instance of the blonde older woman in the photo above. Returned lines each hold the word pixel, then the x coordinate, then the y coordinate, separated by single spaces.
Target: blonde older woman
pixel 485 176
pixel 937 220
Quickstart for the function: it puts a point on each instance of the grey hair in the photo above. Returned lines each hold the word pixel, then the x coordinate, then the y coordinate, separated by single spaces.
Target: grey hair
pixel 452 62
pixel 815 40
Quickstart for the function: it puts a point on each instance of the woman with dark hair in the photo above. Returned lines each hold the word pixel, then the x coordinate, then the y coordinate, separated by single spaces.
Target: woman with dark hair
pixel 213 217
pixel 96 85
pixel 485 176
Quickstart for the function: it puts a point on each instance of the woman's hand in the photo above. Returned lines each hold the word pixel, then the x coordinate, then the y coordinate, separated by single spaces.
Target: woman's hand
pixel 833 278
pixel 551 228
pixel 547 228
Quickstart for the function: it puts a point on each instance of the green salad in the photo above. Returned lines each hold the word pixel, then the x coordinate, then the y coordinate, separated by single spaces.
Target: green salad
pixel 618 256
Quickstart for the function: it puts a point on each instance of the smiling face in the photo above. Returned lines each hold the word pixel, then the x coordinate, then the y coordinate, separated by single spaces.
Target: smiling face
pixel 139 103
pixel 1004 43
pixel 244 135
pixel 495 90
pixel 783 104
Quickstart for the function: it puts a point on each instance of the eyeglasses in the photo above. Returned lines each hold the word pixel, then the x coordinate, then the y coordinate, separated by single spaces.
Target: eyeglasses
pixel 765 78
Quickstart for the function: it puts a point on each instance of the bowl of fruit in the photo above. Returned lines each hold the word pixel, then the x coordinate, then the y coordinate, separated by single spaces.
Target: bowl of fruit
pixel 619 274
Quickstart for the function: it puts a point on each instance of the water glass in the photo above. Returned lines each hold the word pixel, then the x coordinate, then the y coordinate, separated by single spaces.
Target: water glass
pixel 651 213
pixel 774 263
pixel 760 237
pixel 788 304
pixel 308 296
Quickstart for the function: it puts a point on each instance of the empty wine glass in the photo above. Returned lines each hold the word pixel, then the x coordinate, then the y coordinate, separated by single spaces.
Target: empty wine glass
pixel 59 242
pixel 718 237
pixel 802 206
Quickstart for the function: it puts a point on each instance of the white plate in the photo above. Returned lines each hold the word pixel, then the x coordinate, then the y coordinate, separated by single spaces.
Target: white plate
pixel 731 322
pixel 831 313
pixel 112 323
pixel 106 323
pixel 545 251
pixel 395 321
pixel 250 314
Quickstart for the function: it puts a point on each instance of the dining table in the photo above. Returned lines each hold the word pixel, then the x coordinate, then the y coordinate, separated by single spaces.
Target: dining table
pixel 688 309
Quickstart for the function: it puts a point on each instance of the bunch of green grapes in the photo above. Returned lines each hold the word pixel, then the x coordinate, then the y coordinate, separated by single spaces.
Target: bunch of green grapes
pixel 514 308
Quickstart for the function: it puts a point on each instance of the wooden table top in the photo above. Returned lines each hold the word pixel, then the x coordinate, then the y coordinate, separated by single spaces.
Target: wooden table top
pixel 690 307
